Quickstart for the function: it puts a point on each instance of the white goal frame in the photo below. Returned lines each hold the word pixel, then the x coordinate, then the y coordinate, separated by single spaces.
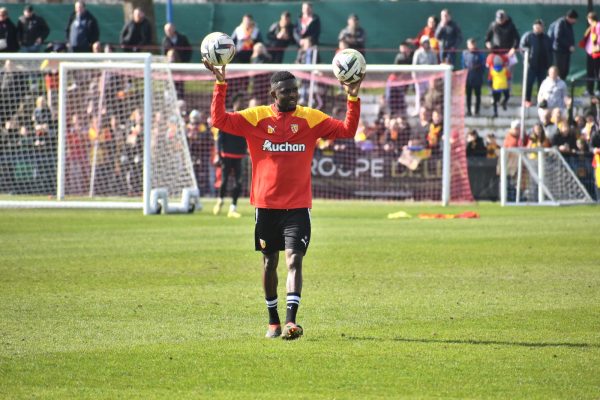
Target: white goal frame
pixel 537 173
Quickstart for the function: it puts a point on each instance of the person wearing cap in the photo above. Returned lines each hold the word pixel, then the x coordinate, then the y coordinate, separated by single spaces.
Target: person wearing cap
pixel 499 78
pixel 8 33
pixel 353 36
pixel 32 31
pixel 563 41
pixel 502 36
pixel 424 55
pixel 449 36
pixel 539 47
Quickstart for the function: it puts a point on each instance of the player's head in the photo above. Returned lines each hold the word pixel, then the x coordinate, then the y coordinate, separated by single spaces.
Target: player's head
pixel 284 90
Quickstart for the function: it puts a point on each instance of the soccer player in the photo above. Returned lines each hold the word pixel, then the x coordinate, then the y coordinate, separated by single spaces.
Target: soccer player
pixel 281 140
pixel 231 150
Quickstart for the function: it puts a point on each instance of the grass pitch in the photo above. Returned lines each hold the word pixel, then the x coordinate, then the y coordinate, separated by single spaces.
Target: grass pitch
pixel 111 304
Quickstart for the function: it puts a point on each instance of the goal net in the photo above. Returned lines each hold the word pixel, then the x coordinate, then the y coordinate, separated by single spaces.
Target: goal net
pixel 538 176
pixel 81 139
pixel 398 152
pixel 76 131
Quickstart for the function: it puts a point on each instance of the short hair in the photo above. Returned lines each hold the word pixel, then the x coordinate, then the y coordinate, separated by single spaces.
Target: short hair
pixel 572 14
pixel 538 22
pixel 281 76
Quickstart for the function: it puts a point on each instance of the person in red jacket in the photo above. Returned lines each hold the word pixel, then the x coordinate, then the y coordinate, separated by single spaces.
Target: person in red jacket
pixel 281 141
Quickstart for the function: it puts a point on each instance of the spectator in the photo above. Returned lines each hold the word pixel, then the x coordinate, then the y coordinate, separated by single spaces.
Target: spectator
pixel 260 55
pixel 422 56
pixel 591 44
pixel 201 143
pixel 245 35
pixel 41 114
pixel 539 48
pixel 353 36
pixel 565 140
pixel 537 137
pixel 449 36
pixel 429 31
pixel 492 148
pixel 563 41
pixel 405 55
pixel 512 137
pixel 474 61
pixel 475 146
pixel 137 33
pixel 307 52
pixel 594 146
pixel 499 79
pixel 8 33
pixel 502 36
pixel 309 25
pixel 82 29
pixel 590 127
pixel 32 31
pixel 435 130
pixel 280 36
pixel 178 42
pixel 552 93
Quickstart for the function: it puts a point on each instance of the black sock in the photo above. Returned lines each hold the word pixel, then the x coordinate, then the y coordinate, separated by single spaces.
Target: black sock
pixel 272 308
pixel 293 302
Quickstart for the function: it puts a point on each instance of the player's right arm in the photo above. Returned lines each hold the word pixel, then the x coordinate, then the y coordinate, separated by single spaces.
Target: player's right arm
pixel 232 123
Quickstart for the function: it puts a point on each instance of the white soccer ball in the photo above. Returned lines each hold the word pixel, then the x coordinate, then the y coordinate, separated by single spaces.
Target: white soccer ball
pixel 218 48
pixel 349 66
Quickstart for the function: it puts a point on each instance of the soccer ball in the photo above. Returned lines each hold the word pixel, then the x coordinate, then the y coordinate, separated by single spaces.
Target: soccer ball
pixel 349 66
pixel 218 48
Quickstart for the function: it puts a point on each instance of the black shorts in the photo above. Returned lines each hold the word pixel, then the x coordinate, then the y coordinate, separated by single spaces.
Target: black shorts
pixel 277 230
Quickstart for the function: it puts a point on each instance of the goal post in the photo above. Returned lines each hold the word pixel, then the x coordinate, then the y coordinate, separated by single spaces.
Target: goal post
pixel 86 151
pixel 539 176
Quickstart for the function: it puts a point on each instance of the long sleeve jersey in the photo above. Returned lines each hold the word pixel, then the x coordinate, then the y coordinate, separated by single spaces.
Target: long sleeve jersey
pixel 281 146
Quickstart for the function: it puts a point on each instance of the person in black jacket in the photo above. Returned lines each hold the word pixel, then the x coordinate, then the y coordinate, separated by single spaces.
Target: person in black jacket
pixel 563 42
pixel 32 31
pixel 539 48
pixel 309 25
pixel 137 33
pixel 231 150
pixel 280 36
pixel 178 42
pixel 8 33
pixel 502 35
pixel 82 29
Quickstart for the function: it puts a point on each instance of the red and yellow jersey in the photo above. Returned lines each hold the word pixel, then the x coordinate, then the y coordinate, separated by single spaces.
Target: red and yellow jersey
pixel 281 146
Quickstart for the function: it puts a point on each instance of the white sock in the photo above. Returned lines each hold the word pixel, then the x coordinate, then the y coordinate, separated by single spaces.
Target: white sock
pixel 232 207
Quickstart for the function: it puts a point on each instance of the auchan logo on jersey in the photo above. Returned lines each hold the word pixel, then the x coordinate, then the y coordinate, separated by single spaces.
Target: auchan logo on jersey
pixel 284 147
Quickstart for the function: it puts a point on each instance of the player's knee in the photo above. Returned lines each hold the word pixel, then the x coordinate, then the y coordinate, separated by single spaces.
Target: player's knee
pixel 294 261
pixel 270 262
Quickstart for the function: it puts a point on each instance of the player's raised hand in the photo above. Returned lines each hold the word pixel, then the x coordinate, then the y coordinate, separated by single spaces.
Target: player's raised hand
pixel 219 74
pixel 352 88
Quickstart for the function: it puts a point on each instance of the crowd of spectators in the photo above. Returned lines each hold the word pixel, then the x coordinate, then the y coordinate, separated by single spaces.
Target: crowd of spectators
pixel 548 50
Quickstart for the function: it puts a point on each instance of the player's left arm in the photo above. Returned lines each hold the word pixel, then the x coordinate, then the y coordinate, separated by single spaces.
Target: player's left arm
pixel 332 128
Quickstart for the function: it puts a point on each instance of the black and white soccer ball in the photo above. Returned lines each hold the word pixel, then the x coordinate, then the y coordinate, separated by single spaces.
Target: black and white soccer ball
pixel 218 48
pixel 349 66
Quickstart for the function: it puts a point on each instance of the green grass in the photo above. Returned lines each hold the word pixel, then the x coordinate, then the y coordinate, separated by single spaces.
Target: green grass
pixel 111 304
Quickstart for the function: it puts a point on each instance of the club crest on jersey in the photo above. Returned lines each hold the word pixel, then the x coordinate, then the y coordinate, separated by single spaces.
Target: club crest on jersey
pixel 284 147
pixel 270 129
pixel 294 128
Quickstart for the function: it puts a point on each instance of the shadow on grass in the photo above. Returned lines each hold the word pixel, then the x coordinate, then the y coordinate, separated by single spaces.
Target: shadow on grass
pixel 477 342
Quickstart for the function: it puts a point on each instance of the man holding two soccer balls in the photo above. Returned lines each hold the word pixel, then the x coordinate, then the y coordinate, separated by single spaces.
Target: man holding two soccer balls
pixel 281 140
